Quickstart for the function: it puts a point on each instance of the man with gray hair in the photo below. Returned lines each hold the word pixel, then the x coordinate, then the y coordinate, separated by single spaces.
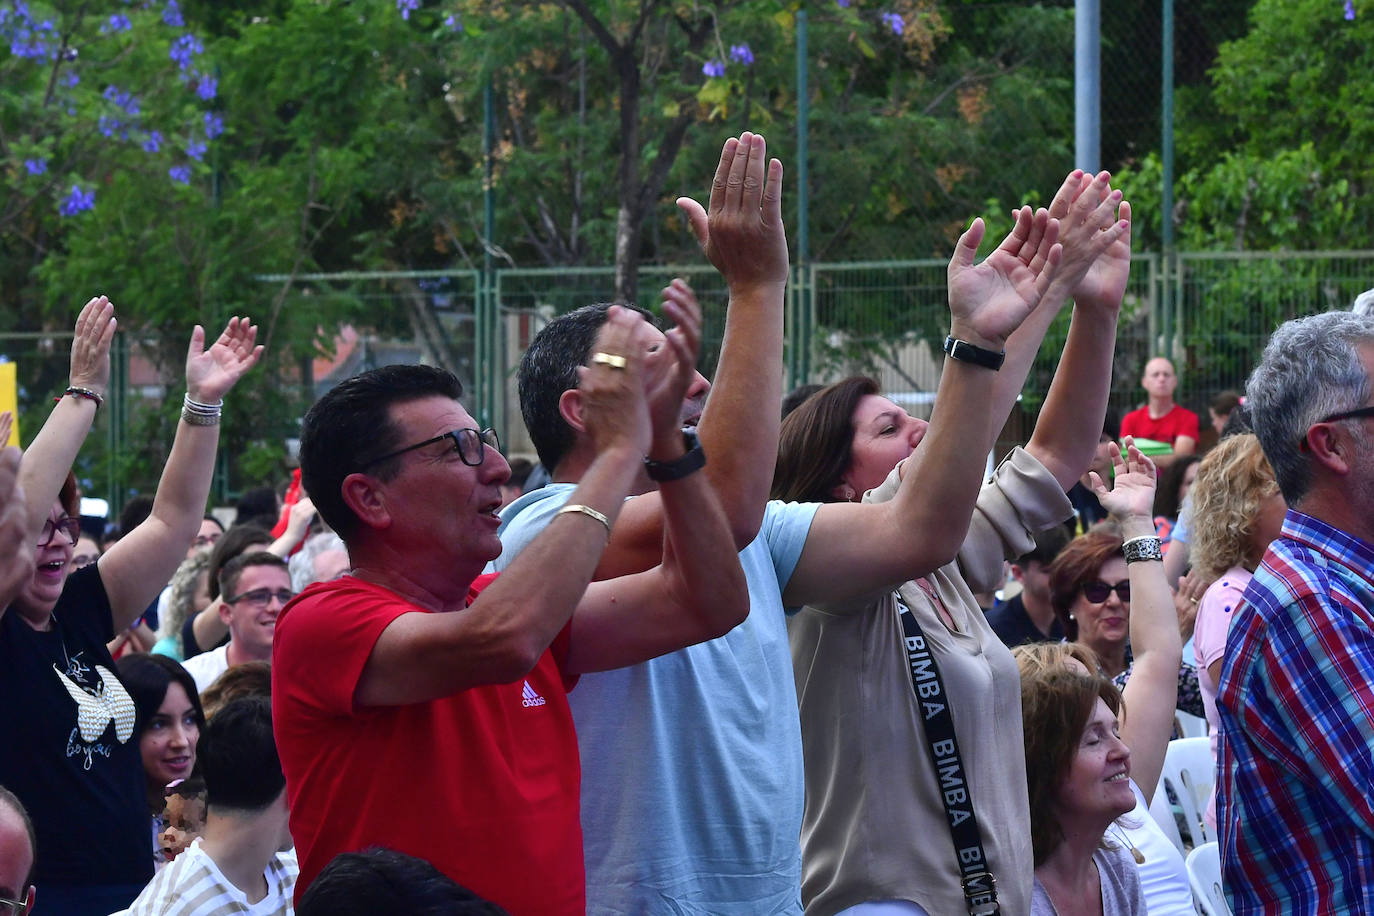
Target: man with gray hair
pixel 1296 696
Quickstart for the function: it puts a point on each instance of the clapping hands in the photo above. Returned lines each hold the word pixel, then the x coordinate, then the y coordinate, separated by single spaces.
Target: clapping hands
pixel 988 301
pixel 211 373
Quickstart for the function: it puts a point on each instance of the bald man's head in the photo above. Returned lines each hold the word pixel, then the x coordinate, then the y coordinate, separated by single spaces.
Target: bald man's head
pixel 1158 379
pixel 16 847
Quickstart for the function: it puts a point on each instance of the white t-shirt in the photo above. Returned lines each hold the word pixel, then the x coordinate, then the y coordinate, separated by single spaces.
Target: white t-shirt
pixel 207 666
pixel 1163 874
pixel 193 885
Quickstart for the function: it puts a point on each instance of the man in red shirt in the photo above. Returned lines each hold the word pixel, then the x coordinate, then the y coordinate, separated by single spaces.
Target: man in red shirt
pixel 423 711
pixel 1161 419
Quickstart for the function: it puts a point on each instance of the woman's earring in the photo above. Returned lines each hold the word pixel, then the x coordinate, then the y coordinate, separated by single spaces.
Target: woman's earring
pixel 848 494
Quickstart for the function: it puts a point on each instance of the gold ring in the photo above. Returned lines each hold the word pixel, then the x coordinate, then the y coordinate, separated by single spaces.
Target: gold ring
pixel 1192 599
pixel 609 360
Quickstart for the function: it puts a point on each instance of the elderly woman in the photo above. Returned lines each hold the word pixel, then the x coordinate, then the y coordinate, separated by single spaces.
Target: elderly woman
pixel 875 830
pixel 1093 758
pixel 1239 509
pixel 1091 595
pixel 70 752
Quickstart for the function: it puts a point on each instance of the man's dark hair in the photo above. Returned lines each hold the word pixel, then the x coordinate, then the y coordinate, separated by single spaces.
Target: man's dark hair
pixel 386 881
pixel 232 571
pixel 257 506
pixel 135 513
pixel 9 800
pixel 238 539
pixel 1111 424
pixel 519 471
pixel 1048 544
pixel 351 425
pixel 238 756
pixel 794 398
pixel 549 368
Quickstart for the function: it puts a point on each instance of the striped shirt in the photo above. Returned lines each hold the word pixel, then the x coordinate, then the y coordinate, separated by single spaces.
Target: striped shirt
pixel 192 885
pixel 1296 703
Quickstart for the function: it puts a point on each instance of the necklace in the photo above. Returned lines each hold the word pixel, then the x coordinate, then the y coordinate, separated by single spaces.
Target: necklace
pixel 1120 836
pixel 61 639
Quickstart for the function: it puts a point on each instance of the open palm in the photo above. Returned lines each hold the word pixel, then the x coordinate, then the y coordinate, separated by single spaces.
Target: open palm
pixel 993 298
pixel 211 373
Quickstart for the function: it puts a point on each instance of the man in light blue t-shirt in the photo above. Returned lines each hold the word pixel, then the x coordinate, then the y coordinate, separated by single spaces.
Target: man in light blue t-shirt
pixel 692 790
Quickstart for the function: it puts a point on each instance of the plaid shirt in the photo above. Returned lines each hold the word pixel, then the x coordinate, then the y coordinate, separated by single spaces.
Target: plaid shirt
pixel 1295 797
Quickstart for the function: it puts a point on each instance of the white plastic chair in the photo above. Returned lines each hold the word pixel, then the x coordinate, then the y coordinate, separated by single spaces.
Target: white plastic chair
pixel 1187 725
pixel 1163 814
pixel 1190 771
pixel 1204 877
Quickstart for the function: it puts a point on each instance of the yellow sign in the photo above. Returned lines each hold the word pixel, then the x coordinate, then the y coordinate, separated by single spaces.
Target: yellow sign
pixel 9 398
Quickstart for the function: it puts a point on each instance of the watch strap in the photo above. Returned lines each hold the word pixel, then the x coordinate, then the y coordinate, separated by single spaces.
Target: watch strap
pixel 693 460
pixel 966 352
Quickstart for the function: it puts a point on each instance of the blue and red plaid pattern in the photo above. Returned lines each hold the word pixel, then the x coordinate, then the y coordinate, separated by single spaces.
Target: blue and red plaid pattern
pixel 1295 797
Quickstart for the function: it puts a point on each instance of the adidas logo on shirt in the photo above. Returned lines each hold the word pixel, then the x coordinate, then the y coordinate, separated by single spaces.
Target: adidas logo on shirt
pixel 531 698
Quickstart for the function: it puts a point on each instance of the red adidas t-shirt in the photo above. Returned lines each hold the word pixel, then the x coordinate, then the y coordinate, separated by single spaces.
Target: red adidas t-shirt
pixel 484 784
pixel 1177 422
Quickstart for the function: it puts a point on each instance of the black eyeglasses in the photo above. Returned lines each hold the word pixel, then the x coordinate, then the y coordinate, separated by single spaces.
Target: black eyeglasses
pixel 69 526
pixel 1342 415
pixel 16 907
pixel 1097 591
pixel 261 597
pixel 470 444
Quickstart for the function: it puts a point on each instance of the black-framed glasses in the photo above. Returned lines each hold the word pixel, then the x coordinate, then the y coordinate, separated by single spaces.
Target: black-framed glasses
pixel 1357 413
pixel 261 597
pixel 17 907
pixel 69 526
pixel 470 444
pixel 1097 591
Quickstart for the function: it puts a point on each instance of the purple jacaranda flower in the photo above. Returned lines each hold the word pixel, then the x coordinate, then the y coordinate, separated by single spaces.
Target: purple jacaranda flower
pixel 214 125
pixel 1349 11
pixel 407 7
pixel 36 166
pixel 180 174
pixel 117 22
pixel 108 126
pixel 183 49
pixel 76 201
pixel 153 142
pixel 894 22
pixel 713 68
pixel 206 87
pixel 171 15
pixel 842 4
pixel 741 54
pixel 70 78
pixel 453 23
pixel 124 100
pixel 195 149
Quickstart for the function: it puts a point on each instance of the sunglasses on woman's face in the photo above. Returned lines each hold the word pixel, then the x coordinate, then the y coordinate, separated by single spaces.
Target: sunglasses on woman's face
pixel 1097 591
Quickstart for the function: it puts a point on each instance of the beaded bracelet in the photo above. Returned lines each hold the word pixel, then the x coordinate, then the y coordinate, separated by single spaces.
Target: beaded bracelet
pixel 197 413
pixel 86 393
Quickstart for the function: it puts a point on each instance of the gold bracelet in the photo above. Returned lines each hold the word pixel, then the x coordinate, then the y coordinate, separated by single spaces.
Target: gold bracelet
pixel 589 512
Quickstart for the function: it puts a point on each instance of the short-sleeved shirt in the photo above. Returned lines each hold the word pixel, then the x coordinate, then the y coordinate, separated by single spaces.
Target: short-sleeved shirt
pixel 691 762
pixel 483 783
pixel 1177 422
pixel 1209 644
pixel 1014 627
pixel 1296 704
pixel 193 885
pixel 69 750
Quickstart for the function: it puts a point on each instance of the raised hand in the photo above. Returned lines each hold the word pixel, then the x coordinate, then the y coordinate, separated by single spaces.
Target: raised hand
pixel 742 233
pixel 1133 490
pixel 988 301
pixel 95 328
pixel 211 373
pixel 16 540
pixel 611 386
pixel 668 371
pixel 1097 244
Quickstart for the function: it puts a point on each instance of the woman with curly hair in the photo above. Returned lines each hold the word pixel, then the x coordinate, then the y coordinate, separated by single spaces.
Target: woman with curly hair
pixel 189 596
pixel 1239 509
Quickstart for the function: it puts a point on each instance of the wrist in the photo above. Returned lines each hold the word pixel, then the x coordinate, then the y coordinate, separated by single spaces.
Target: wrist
pixel 668 447
pixel 968 334
pixel 1135 526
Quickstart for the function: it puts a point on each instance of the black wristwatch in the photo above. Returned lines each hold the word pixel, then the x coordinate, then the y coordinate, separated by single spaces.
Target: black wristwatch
pixel 966 352
pixel 693 460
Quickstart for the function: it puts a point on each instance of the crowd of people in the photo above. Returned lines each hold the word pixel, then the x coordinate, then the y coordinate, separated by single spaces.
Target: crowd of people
pixel 735 655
